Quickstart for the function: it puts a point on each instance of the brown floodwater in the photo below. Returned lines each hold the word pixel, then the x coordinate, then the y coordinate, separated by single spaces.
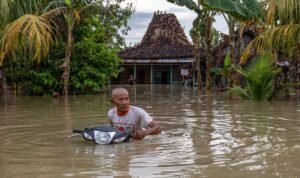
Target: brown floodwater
pixel 214 135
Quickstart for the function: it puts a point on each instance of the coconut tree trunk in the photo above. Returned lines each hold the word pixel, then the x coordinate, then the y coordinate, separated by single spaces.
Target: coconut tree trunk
pixel 198 66
pixel 231 41
pixel 196 37
pixel 2 81
pixel 199 76
pixel 208 83
pixel 231 48
pixel 66 65
pixel 196 40
pixel 208 40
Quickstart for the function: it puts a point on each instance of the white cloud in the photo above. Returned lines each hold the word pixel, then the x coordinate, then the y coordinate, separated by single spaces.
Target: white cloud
pixel 152 5
pixel 144 10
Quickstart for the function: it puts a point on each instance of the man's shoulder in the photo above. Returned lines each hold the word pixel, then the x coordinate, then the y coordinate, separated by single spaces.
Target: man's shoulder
pixel 112 111
pixel 136 109
pixel 141 113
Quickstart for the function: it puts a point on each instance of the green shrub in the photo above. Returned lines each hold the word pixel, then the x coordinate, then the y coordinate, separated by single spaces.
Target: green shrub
pixel 259 78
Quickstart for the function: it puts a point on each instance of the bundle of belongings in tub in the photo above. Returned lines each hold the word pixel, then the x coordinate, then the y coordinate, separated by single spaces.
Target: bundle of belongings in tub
pixel 103 134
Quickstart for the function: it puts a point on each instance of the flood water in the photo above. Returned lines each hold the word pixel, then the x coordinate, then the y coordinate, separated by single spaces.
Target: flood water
pixel 203 136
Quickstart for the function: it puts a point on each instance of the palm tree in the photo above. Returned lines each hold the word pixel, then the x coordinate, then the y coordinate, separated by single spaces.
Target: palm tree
pixel 279 18
pixel 282 30
pixel 25 29
pixel 260 78
pixel 30 27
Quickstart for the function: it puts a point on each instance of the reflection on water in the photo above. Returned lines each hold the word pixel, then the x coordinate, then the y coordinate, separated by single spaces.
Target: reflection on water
pixel 204 136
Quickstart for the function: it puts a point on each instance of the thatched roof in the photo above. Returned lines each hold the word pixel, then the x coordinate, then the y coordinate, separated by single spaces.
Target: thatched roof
pixel 164 39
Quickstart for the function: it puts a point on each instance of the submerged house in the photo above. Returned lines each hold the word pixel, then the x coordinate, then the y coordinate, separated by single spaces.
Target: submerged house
pixel 160 57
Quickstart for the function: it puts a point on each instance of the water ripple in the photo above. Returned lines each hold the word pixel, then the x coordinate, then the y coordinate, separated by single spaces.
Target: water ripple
pixel 203 136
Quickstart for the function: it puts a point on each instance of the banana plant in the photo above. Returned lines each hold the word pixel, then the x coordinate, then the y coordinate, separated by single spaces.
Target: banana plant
pixel 244 10
pixel 279 18
pixel 226 71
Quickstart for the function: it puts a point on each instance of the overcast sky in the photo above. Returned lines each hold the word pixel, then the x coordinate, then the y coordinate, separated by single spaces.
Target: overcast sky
pixel 144 10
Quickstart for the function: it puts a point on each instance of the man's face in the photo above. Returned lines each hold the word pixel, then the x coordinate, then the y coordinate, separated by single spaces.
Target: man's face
pixel 121 101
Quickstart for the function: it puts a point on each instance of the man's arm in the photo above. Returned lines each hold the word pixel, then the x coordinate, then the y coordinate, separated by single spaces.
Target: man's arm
pixel 154 129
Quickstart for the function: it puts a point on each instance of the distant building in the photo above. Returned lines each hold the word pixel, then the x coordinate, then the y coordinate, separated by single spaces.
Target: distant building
pixel 162 56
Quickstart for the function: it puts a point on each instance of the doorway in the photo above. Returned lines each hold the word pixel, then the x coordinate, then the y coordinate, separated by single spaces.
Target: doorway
pixel 141 77
pixel 162 77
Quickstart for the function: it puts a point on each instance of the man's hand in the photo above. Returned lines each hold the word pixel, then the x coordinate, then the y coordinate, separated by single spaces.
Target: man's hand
pixel 153 129
pixel 140 135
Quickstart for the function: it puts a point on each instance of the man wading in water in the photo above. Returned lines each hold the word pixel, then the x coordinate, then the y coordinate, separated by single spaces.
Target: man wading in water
pixel 130 119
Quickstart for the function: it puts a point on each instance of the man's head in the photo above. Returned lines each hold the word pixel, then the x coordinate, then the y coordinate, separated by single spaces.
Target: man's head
pixel 120 99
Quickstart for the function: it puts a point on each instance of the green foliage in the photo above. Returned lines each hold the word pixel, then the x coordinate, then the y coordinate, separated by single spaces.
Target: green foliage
pixel 94 60
pixel 226 71
pixel 215 37
pixel 245 9
pixel 68 2
pixel 31 78
pixel 93 64
pixel 260 78
pixel 190 4
pixel 114 21
pixel 40 83
pixel 280 19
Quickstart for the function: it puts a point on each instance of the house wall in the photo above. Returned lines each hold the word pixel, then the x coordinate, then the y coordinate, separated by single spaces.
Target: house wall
pixel 149 74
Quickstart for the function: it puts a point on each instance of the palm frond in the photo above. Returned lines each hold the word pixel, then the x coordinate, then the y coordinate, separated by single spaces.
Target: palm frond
pixel 240 91
pixel 283 12
pixel 281 37
pixel 28 32
pixel 4 12
pixel 54 5
pixel 240 70
pixel 76 15
pixel 260 78
pixel 55 12
pixel 90 9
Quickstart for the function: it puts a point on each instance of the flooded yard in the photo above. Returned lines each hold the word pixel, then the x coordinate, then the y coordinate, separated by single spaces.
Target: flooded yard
pixel 203 136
